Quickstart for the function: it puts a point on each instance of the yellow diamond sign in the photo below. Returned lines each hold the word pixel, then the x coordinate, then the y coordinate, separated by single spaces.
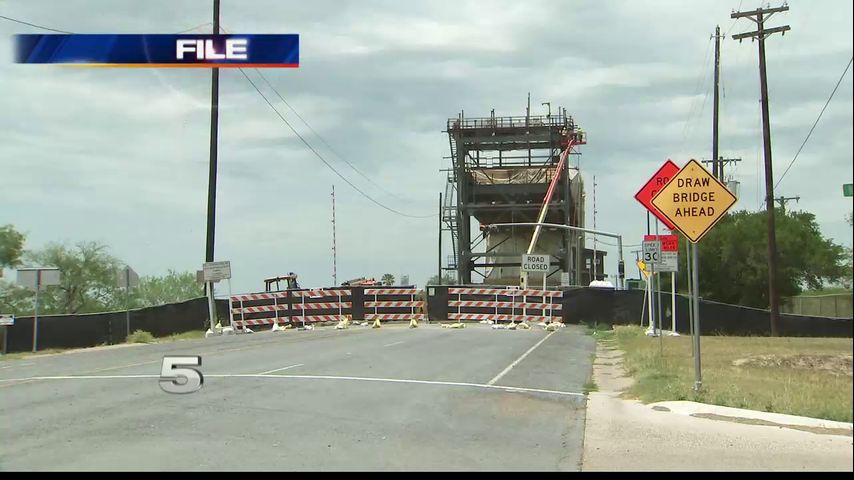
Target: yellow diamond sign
pixel 694 201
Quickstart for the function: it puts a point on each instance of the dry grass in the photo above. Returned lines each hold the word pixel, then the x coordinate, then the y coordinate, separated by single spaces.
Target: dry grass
pixel 799 376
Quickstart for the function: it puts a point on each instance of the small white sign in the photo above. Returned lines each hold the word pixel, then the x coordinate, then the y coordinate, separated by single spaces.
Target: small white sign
pixel 535 263
pixel 126 277
pixel 652 252
pixel 669 262
pixel 7 319
pixel 564 279
pixel 216 271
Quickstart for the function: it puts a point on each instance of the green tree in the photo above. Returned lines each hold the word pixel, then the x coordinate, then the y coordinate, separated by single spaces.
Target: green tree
pixel 734 258
pixel 11 247
pixel 88 278
pixel 170 288
pixel 387 279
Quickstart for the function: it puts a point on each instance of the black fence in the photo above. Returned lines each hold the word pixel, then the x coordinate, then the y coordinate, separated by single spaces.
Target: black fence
pixel 89 330
pixel 625 307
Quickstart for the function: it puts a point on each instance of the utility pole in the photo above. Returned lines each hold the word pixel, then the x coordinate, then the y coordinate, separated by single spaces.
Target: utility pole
pixel 721 163
pixel 760 16
pixel 594 228
pixel 785 200
pixel 211 225
pixel 334 247
pixel 716 104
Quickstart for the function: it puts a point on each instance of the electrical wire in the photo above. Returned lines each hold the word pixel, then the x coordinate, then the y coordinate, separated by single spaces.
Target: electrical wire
pixel 316 134
pixel 815 123
pixel 320 157
pixel 363 193
pixel 33 24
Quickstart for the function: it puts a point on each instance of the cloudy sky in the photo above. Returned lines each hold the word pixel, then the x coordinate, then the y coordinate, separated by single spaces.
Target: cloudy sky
pixel 121 155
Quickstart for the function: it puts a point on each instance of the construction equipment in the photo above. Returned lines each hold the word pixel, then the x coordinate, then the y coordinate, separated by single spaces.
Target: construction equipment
pixel 361 282
pixel 290 279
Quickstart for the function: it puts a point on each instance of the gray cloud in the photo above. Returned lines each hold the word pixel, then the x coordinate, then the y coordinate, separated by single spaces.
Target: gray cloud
pixel 120 156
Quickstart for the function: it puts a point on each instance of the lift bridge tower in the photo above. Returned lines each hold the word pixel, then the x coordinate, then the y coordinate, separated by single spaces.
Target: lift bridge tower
pixel 501 170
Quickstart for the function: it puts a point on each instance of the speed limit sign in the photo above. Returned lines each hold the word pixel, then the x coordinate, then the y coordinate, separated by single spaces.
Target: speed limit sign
pixel 652 251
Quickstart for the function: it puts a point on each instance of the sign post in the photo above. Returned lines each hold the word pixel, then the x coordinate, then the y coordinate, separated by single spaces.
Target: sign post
pixel 213 272
pixel 694 200
pixel 536 263
pixel 36 278
pixel 651 250
pixel 6 320
pixel 127 279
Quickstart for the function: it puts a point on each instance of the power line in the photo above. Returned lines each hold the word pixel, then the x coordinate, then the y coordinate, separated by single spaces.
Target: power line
pixel 320 137
pixel 319 156
pixel 32 24
pixel 348 182
pixel 815 123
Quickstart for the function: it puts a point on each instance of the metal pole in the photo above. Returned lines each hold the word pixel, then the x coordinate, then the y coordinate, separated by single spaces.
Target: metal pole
pixel 620 275
pixel 673 305
pixel 212 306
pixel 698 377
pixel 5 337
pixel 127 300
pixel 211 222
pixel 690 282
pixel 334 245
pixel 36 312
pixel 440 238
pixel 658 300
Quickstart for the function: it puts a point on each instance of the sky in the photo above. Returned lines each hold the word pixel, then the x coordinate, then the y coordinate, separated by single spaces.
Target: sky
pixel 120 156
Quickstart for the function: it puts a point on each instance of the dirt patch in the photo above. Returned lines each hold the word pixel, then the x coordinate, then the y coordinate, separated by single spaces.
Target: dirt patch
pixel 832 364
pixel 754 421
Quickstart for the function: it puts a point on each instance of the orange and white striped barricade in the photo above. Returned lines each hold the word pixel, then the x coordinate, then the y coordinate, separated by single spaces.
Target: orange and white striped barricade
pixel 321 305
pixel 254 309
pixel 484 304
pixel 393 304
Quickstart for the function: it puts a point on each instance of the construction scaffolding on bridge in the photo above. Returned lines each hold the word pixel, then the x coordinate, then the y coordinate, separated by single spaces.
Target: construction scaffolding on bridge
pixel 500 171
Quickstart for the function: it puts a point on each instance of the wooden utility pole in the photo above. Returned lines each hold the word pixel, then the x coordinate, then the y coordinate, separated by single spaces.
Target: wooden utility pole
pixel 716 103
pixel 783 201
pixel 760 16
pixel 211 224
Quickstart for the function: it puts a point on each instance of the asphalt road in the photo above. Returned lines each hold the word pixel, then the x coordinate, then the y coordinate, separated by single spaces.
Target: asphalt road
pixel 361 399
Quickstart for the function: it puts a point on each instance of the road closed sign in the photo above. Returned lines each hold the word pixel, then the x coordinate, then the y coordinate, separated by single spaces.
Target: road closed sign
pixel 535 263
pixel 694 201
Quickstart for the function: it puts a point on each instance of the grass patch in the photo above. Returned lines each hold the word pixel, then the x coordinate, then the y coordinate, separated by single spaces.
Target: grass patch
pixel 601 331
pixel 791 387
pixel 590 386
pixel 20 355
pixel 140 336
pixel 191 335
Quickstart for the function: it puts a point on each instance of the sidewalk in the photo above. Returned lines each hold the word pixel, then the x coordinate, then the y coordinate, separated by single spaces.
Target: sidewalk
pixel 626 435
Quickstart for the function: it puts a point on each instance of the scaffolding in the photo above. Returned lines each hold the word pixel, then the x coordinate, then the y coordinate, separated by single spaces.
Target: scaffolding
pixel 500 170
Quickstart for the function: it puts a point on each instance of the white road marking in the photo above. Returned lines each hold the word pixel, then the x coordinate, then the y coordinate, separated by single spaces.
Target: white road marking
pixel 280 369
pixel 393 344
pixel 311 377
pixel 510 367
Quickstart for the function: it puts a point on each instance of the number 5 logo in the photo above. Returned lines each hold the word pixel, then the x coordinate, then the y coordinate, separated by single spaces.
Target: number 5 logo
pixel 174 379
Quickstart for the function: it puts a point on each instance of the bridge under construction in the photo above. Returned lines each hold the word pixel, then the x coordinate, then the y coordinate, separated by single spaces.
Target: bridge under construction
pixel 509 169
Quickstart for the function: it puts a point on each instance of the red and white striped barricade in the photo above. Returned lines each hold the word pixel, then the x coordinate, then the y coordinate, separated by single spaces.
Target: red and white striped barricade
pixel 304 306
pixel 393 304
pixel 504 304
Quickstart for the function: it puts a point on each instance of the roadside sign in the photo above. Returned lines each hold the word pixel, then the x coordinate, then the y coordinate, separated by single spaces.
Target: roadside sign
pixel 535 263
pixel 7 319
pixel 43 277
pixel 848 189
pixel 669 252
pixel 694 201
pixel 126 277
pixel 652 252
pixel 216 271
pixel 653 186
pixel 642 266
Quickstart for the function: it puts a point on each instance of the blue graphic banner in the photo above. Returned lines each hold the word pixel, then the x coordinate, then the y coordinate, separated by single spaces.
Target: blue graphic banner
pixel 182 50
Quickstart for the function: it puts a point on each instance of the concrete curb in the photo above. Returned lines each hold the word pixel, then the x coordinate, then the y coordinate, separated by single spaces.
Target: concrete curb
pixel 695 408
